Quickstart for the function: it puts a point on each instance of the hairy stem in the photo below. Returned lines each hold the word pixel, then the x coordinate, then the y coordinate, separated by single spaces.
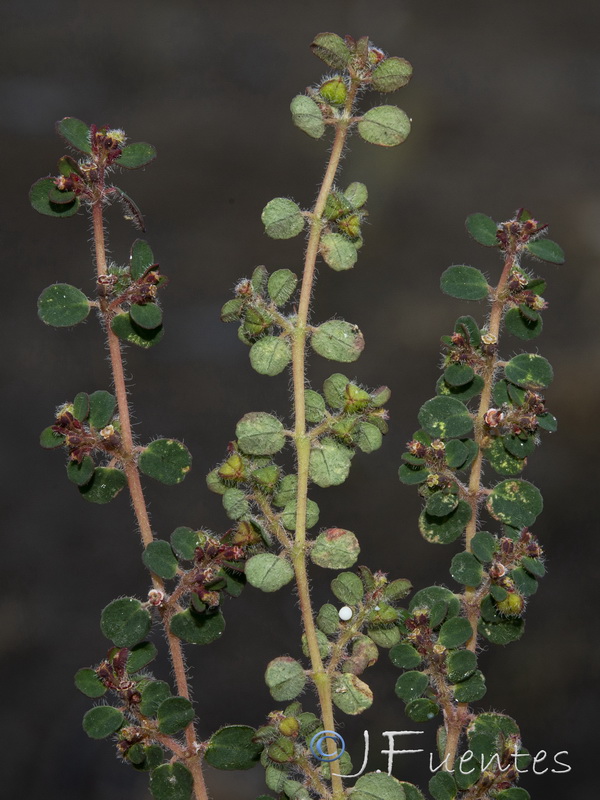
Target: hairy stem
pixel 139 502
pixel 471 598
pixel 320 677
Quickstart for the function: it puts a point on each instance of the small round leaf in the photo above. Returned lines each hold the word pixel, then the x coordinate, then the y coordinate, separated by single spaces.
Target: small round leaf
pixel 260 434
pixel 521 326
pixel 146 315
pixel 171 782
pixel 335 548
pixel 105 484
pixel 443 530
pixel 140 259
pixel 461 664
pixel 454 632
pixel 391 74
pixel 88 682
pixel 282 218
pixel 348 588
pixel 331 49
pixel 421 709
pixel 445 417
pixel 285 678
pixel 165 460
pixel 160 559
pixel 76 133
pixel 125 622
pixel 233 747
pixel 288 515
pixel 329 463
pixel 102 407
pixel 197 628
pixel 350 694
pixel 466 569
pixel 378 786
pixel 529 371
pixel 411 685
pixel 338 251
pixel 547 251
pixel 125 328
pixel 281 286
pixel 62 305
pixel 465 283
pixel 515 502
pixel 405 656
pixel 338 340
pixel 174 714
pixel 483 229
pixel 268 572
pixel 387 126
pixel 136 155
pixel 307 116
pixel 102 721
pixel 39 197
pixel 270 355
pixel 140 655
pixel 184 542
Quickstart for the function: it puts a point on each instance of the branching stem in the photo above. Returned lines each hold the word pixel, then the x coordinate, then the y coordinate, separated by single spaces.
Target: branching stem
pixel 138 500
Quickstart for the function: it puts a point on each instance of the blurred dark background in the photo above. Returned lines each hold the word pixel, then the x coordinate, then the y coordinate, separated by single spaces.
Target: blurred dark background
pixel 505 102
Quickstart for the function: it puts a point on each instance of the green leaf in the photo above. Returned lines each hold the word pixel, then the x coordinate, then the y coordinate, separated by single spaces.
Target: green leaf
pixel 387 126
pixel 338 251
pixel 260 434
pixel 348 588
pixel 50 440
pixel 285 678
pixel 315 406
pixel 430 597
pixel 405 656
pixel 547 250
pixel 329 463
pixel 81 406
pixel 526 584
pixel 288 515
pixel 391 74
pixel 483 229
pixel 331 49
pixel 76 133
pixel 338 340
pixel 519 447
pixel 529 371
pixel 140 655
pixel 411 791
pixel 153 694
pixel 443 786
pixel 368 437
pixel 171 782
pixel 458 374
pixel 307 116
pixel 125 328
pixel 233 747
pixel 533 566
pixel 465 283
pixel 547 422
pixel 454 632
pixel 335 548
pixel 443 530
pixel 328 620
pixel 102 721
pixel 421 710
pixel 235 503
pixel 350 694
pixel 125 622
pixel 184 542
pixel 502 632
pixel 461 664
pixel 466 569
pixel 441 503
pixel 136 155
pixel 165 460
pixel 515 502
pixel 501 460
pixel 268 572
pixel 102 409
pixel 462 393
pixel 40 198
pixel 378 786
pixel 445 417
pixel 146 315
pixel 140 259
pixel 334 389
pixel 197 628
pixel 521 326
pixel 468 328
pixel 356 194
pixel 80 473
pixel 281 286
pixel 62 305
pixel 411 685
pixel 456 453
pixel 270 355
pixel 514 793
pixel 174 714
pixel 160 559
pixel 105 484
pixel 483 546
pixel 282 218
pixel 412 475
pixel 88 682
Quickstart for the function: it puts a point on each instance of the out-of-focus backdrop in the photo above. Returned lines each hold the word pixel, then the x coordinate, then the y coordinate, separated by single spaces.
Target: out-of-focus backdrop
pixel 505 102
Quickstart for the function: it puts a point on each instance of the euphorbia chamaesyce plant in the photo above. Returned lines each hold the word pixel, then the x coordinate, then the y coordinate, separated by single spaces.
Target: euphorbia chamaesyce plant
pixel 270 542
